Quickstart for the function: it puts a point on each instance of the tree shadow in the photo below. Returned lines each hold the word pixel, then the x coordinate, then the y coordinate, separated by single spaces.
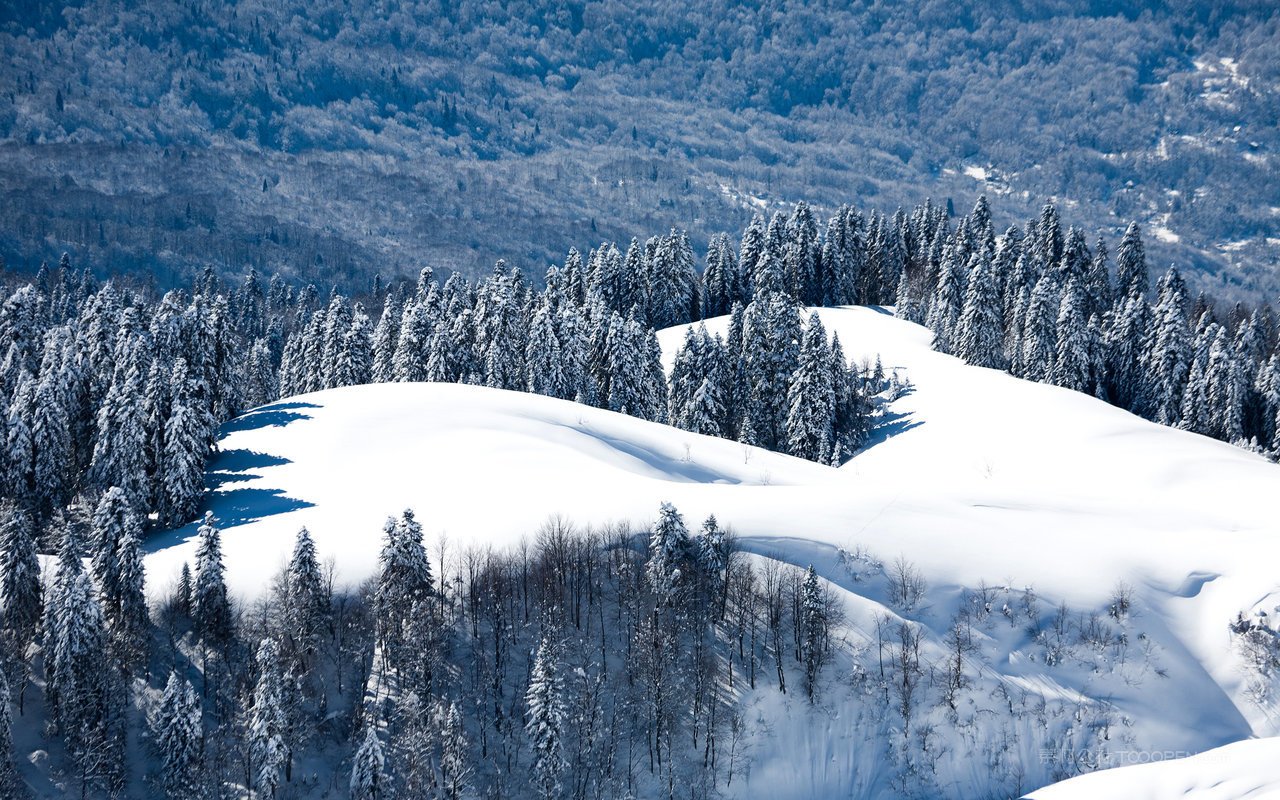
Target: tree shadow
pixel 233 466
pixel 276 415
pixel 891 424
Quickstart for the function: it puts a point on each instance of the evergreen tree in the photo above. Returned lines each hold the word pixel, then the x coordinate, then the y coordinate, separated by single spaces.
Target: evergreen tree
pixel 404 579
pixel 544 358
pixel 210 607
pixel 811 400
pixel 306 604
pixel 20 590
pixel 1039 341
pixel 771 343
pixel 186 446
pixel 1170 359
pixel 178 733
pixel 267 722
pixel 1131 266
pixel 1125 369
pixel 1224 390
pixel 368 779
pixel 1071 363
pixel 385 337
pixel 944 313
pixel 10 782
pixel 669 545
pixel 814 622
pixel 545 721
pixel 979 334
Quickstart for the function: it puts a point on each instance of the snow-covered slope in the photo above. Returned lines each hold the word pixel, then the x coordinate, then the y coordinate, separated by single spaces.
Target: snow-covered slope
pixel 975 477
pixel 1248 769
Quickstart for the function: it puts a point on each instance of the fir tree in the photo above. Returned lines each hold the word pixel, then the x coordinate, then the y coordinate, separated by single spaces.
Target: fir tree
pixel 210 607
pixel 267 722
pixel 814 622
pixel 20 590
pixel 178 732
pixel 944 312
pixel 1039 341
pixel 368 779
pixel 186 446
pixel 979 335
pixel 305 602
pixel 811 400
pixel 1071 363
pixel 545 721
pixel 1170 359
pixel 404 579
pixel 1131 265
pixel 669 545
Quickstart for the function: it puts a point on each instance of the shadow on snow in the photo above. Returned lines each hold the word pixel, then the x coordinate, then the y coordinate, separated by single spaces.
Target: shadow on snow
pixel 276 415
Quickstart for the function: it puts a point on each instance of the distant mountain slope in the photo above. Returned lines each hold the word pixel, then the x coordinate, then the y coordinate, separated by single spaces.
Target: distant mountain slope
pixel 978 479
pixel 334 139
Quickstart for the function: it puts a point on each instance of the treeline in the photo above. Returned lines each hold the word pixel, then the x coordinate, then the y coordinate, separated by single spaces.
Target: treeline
pixel 1044 305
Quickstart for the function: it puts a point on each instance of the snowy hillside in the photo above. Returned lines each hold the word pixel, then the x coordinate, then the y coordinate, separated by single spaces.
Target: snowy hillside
pixel 1244 769
pixel 981 481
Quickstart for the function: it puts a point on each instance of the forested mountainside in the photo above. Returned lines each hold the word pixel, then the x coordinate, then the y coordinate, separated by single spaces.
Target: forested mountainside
pixel 333 140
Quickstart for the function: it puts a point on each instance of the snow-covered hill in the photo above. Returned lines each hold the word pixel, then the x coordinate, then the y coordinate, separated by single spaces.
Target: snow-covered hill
pixel 976 478
pixel 1249 769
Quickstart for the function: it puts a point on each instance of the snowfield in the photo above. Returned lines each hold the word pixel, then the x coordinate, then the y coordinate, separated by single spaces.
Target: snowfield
pixel 974 476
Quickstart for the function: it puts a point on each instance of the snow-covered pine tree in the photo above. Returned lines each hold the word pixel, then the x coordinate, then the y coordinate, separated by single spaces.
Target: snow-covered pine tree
pixel 306 603
pixel 544 358
pixel 1131 266
pixel 129 619
pixel 177 730
pixel 811 398
pixel 20 589
pixel 268 724
pixel 669 547
pixel 1125 371
pixel 368 775
pixel 749 251
pixel 1224 390
pixel 1039 332
pixel 1097 286
pixel 978 336
pixel 455 771
pixel 385 337
pixel 720 278
pixel 19 461
pixel 545 720
pixel 1071 363
pixel 771 343
pixel 813 637
pixel 120 444
pixel 78 672
pixel 1170 358
pixel 404 579
pixel 948 302
pixel 186 446
pixel 800 257
pixel 210 607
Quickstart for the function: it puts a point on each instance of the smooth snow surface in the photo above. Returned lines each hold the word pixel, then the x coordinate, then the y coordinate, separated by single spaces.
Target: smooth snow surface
pixel 974 476
pixel 1249 769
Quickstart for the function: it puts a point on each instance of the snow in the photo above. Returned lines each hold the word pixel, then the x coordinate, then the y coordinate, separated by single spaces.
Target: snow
pixel 1243 769
pixel 977 173
pixel 974 476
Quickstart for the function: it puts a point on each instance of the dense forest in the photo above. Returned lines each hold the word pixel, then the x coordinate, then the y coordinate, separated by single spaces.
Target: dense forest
pixel 326 141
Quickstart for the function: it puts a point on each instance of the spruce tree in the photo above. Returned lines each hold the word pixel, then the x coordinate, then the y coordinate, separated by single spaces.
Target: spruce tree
pixel 178 733
pixel 1170 359
pixel 1039 340
pixel 368 778
pixel 404 579
pixel 305 602
pixel 1131 266
pixel 186 446
pixel 948 302
pixel 669 545
pixel 811 400
pixel 21 602
pixel 979 334
pixel 267 722
pixel 545 721
pixel 210 607
pixel 1071 363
